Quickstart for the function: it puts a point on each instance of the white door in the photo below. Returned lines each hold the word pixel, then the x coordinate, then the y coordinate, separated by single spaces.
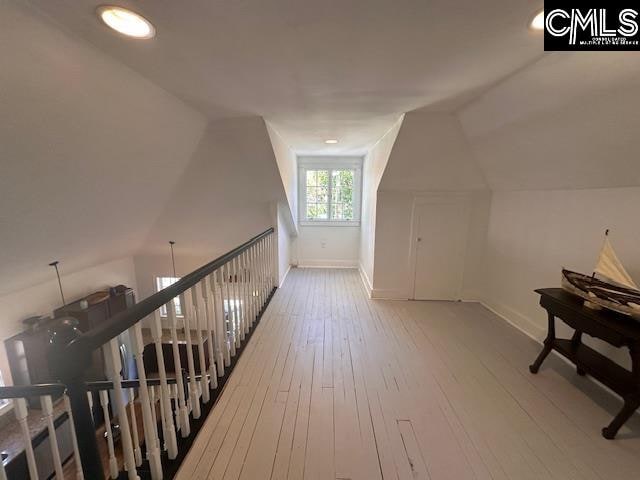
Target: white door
pixel 441 239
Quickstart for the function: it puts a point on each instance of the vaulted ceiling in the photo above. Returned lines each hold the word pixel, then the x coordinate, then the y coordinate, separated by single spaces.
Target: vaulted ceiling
pixel 104 139
pixel 318 69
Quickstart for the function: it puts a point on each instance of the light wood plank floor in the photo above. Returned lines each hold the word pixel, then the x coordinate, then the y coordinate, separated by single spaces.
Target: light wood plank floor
pixel 334 385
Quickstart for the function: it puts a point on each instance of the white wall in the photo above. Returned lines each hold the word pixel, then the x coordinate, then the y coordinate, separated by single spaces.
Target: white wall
pixel 43 298
pixel 569 121
pixel 372 169
pixel 288 168
pixel 394 267
pixel 431 153
pixel 225 194
pixel 90 151
pixel 532 234
pixel 285 240
pixel 327 246
pixel 430 156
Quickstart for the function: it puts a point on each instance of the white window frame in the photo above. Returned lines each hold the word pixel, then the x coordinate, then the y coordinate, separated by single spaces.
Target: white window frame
pixel 163 309
pixel 329 163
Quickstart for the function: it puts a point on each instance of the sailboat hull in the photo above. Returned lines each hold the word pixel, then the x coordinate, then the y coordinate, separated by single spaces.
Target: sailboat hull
pixel 599 293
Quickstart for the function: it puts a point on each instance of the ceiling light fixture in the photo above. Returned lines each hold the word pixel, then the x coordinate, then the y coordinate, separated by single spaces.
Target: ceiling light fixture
pixel 537 23
pixel 331 142
pixel 126 22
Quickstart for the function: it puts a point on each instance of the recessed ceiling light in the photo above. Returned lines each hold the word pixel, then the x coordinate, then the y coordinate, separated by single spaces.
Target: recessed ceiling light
pixel 126 22
pixel 331 141
pixel 537 23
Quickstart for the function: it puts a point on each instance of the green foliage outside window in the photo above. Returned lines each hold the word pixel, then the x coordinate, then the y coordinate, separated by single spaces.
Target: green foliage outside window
pixel 338 184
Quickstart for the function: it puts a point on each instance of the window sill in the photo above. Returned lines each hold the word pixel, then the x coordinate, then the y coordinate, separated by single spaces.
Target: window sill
pixel 329 223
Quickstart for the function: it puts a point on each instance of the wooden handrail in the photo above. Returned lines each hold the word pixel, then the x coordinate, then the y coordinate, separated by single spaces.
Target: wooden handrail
pixel 27 391
pixel 82 346
pixel 40 389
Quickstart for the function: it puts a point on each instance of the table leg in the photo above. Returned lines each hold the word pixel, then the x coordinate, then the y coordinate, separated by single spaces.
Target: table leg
pixel 576 341
pixel 631 402
pixel 548 345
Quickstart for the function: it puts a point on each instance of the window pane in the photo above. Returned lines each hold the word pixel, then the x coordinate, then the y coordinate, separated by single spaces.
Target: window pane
pixel 322 212
pixel 312 196
pixel 317 194
pixel 312 211
pixel 164 282
pixel 336 211
pixel 323 178
pixel 322 194
pixel 312 177
pixel 342 194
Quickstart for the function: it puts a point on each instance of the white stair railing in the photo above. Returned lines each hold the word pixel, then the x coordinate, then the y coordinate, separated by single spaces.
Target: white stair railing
pixel 220 304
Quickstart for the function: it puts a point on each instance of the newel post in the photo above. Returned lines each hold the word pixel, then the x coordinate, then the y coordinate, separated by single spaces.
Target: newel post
pixel 69 363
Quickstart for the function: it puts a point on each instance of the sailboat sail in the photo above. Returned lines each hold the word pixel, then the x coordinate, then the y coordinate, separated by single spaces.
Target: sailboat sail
pixel 610 266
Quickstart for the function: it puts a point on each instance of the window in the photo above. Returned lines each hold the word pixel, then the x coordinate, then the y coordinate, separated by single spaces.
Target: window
pixel 164 282
pixel 330 190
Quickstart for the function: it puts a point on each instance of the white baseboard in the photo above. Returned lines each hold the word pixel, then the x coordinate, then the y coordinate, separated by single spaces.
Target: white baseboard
pixel 365 280
pixel 524 325
pixel 389 294
pixel 284 277
pixel 309 263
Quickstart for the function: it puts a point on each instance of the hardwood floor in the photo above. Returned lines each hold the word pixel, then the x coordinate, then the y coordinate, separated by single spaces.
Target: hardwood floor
pixel 334 385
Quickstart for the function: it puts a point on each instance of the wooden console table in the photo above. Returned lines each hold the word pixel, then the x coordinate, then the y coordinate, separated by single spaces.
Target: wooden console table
pixel 615 329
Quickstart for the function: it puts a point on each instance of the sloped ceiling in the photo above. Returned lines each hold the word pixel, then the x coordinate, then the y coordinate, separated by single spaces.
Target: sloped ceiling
pixel 318 69
pixel 89 151
pixel 569 120
pixel 431 153
pixel 225 194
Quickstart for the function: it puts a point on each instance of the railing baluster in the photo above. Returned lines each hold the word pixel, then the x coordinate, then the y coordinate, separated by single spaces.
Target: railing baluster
pixel 168 428
pixel 114 367
pixel 267 263
pixel 197 316
pixel 245 289
pixel 74 439
pixel 189 320
pixel 181 406
pixel 272 263
pixel 263 246
pixel 134 427
pixel 242 294
pixel 113 462
pixel 233 305
pixel 207 318
pixel 21 412
pixel 254 284
pixel 263 273
pixel 236 297
pixel 223 354
pixel 247 284
pixel 228 310
pixel 147 405
pixel 152 405
pixel 47 410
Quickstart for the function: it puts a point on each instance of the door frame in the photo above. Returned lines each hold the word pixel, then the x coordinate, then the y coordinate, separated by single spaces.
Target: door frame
pixel 441 198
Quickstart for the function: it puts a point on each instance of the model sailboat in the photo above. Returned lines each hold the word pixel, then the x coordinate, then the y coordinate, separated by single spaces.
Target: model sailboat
pixel 610 286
